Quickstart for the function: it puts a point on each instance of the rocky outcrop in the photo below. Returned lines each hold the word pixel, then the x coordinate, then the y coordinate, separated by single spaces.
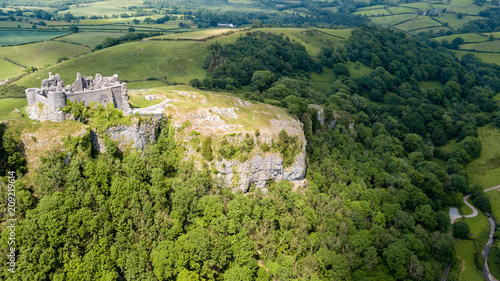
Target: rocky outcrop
pixel 135 136
pixel 260 169
pixel 40 112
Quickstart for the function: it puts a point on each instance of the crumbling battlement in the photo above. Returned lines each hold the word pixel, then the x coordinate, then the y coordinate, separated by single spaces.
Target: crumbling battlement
pixel 102 90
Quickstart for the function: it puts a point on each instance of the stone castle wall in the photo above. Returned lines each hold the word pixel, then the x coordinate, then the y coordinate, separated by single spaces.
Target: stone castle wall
pixel 103 90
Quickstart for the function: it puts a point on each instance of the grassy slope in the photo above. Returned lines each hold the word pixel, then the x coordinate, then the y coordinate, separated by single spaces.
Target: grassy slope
pixel 197 35
pixel 11 37
pixel 486 169
pixel 178 61
pixel 40 54
pixel 488 46
pixel 468 37
pixel 485 57
pixel 8 69
pixel 108 7
pixel 89 38
pixel 7 107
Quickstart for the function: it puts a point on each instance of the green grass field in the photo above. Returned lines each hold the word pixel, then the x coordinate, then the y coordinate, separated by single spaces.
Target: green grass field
pixel 488 46
pixel 108 7
pixel 495 34
pixel 16 24
pixel 418 5
pixel 7 107
pixel 495 204
pixel 138 100
pixel 312 41
pixel 374 12
pixel 486 169
pixel 12 37
pixel 89 38
pixel 344 33
pixel 418 23
pixel 402 10
pixel 9 70
pixel 485 57
pixel 371 8
pixel 470 10
pixel 468 37
pixel 494 261
pixel 198 35
pixel 456 23
pixel 466 252
pixel 176 60
pixel 392 20
pixel 433 29
pixel 41 54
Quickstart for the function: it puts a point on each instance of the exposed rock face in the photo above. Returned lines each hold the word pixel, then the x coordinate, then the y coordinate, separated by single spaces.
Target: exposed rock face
pixel 40 112
pixel 233 121
pixel 261 169
pixel 321 113
pixel 135 136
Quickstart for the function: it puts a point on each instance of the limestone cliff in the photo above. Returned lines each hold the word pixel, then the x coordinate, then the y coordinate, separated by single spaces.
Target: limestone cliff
pixel 238 139
pixel 134 136
pixel 41 112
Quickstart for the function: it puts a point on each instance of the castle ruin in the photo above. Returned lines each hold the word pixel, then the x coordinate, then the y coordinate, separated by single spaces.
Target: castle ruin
pixel 103 90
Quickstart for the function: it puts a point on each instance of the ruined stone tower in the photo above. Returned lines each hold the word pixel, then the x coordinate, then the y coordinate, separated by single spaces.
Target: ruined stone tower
pixel 104 90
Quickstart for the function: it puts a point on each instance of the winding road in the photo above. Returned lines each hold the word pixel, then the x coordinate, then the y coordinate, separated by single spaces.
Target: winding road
pixel 474 210
pixel 454 215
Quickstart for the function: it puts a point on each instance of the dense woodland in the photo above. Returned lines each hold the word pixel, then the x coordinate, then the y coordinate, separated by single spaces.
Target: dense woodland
pixel 373 209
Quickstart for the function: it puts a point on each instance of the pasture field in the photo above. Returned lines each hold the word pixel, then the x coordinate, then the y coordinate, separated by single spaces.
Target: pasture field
pixel 392 20
pixel 41 54
pixel 402 10
pixel 418 5
pixel 456 23
pixel 468 37
pixel 466 250
pixel 418 23
pixel 118 20
pixel 371 8
pixel 8 70
pixel 494 196
pixel 433 29
pixel 12 37
pixel 485 57
pixel 461 3
pixel 108 8
pixel 495 34
pixel 7 107
pixel 16 24
pixel 486 169
pixel 151 59
pixel 374 12
pixel 488 46
pixel 89 38
pixel 344 33
pixel 470 10
pixel 311 39
pixel 197 35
